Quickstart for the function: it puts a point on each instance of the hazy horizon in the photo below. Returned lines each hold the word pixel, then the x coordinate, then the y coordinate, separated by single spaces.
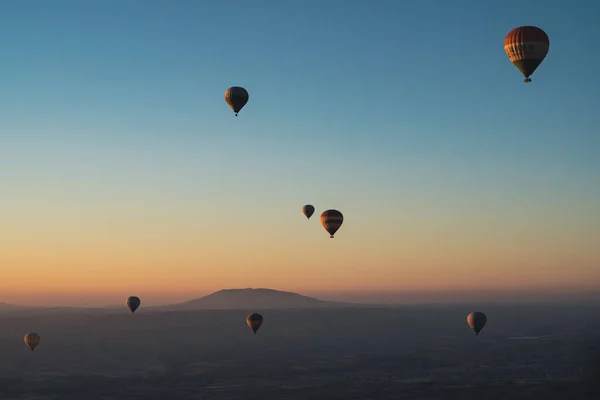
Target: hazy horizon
pixel 364 297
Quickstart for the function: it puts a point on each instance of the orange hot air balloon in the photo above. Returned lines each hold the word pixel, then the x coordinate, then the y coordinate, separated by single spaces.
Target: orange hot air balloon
pixel 32 340
pixel 476 321
pixel 308 211
pixel 526 47
pixel 331 221
pixel 236 97
pixel 254 321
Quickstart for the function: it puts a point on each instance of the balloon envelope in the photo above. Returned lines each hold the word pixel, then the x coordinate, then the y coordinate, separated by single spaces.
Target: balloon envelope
pixel 133 302
pixel 526 47
pixel 254 321
pixel 236 97
pixel 308 210
pixel 331 221
pixel 32 340
pixel 476 321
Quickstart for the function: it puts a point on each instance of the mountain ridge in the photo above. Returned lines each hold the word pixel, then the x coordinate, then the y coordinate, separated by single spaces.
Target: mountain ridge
pixel 258 298
pixel 262 298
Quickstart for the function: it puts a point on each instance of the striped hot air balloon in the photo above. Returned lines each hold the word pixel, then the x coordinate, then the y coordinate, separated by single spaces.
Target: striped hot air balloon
pixel 331 221
pixel 526 47
pixel 236 97
pixel 32 340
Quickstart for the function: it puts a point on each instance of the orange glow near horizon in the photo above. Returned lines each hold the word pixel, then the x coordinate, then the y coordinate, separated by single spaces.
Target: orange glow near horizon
pixel 100 267
pixel 90 250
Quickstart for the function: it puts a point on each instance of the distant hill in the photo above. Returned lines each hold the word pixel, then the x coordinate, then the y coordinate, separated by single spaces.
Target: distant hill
pixel 252 299
pixel 4 307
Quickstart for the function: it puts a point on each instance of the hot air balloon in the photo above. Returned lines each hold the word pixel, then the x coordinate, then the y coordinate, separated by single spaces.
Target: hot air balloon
pixel 476 321
pixel 254 321
pixel 331 221
pixel 236 97
pixel 133 303
pixel 32 340
pixel 308 211
pixel 526 47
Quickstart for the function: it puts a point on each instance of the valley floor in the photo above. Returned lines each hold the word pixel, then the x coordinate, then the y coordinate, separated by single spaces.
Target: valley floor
pixel 328 354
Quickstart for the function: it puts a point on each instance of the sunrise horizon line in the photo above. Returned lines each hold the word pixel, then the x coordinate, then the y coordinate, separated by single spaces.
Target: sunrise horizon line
pixel 366 297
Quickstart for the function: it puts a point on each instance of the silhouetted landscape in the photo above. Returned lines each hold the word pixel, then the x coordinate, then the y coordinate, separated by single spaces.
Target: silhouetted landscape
pixel 253 298
pixel 404 352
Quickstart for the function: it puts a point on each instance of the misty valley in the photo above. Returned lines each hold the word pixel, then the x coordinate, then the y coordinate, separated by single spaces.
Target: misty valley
pixel 310 352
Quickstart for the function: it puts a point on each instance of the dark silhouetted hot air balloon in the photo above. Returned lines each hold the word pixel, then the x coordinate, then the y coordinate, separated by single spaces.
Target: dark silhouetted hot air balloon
pixel 254 321
pixel 526 47
pixel 133 303
pixel 308 211
pixel 32 340
pixel 331 221
pixel 476 321
pixel 236 97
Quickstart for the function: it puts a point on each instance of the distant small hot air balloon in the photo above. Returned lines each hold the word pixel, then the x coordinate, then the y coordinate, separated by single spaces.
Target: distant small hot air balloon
pixel 331 221
pixel 526 47
pixel 254 321
pixel 32 340
pixel 476 321
pixel 308 211
pixel 236 97
pixel 133 302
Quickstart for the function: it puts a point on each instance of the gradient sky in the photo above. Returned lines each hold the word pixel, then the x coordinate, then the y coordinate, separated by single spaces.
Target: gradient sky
pixel 123 171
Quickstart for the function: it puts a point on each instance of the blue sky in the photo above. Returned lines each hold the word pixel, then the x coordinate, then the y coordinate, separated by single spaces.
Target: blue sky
pixel 360 105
